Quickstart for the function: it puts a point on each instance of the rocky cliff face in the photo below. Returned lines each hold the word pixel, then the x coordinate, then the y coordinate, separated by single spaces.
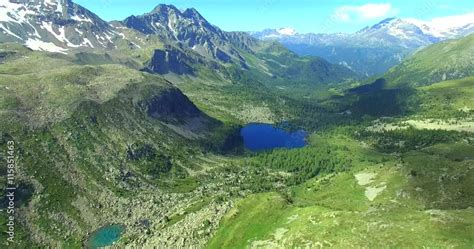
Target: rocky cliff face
pixel 170 61
pixel 191 30
pixel 170 105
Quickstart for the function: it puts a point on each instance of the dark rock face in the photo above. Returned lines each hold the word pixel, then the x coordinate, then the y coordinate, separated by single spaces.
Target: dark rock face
pixel 138 24
pixel 193 31
pixel 373 87
pixel 170 105
pixel 223 56
pixel 4 55
pixel 170 60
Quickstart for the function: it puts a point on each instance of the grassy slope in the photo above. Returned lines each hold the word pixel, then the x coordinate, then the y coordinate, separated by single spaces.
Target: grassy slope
pixel 449 96
pixel 73 125
pixel 446 105
pixel 333 210
pixel 442 61
pixel 259 93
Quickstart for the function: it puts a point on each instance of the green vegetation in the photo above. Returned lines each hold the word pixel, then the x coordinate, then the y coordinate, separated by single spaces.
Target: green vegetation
pixel 83 134
pixel 335 210
pixel 249 219
pixel 103 140
pixel 447 60
pixel 305 163
pixel 448 99
pixel 401 140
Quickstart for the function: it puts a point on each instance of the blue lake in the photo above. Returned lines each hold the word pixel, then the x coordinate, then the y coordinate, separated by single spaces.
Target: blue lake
pixel 105 236
pixel 258 137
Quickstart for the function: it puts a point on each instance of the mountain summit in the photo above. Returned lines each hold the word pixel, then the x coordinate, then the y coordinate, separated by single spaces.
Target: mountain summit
pixel 374 49
pixel 190 29
pixel 53 25
pixel 396 31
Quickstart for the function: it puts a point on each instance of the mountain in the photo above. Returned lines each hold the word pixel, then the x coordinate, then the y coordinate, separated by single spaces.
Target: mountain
pixel 448 60
pixel 139 139
pixel 182 46
pixel 274 33
pixel 165 40
pixel 54 26
pixel 189 41
pixel 99 129
pixel 396 31
pixel 190 29
pixel 142 129
pixel 374 49
pixel 446 27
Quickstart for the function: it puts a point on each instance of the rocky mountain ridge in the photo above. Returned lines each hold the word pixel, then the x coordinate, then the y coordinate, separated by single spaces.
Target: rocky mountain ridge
pixel 374 49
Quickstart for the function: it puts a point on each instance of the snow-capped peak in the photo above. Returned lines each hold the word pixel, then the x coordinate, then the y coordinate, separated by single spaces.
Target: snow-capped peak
pixel 58 5
pixel 17 11
pixel 445 27
pixel 53 25
pixel 411 32
pixel 286 31
pixel 13 12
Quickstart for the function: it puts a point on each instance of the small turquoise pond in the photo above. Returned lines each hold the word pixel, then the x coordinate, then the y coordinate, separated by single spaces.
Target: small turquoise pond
pixel 259 137
pixel 105 236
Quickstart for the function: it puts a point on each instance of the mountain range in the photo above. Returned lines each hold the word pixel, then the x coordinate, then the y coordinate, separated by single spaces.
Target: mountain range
pixel 178 40
pixel 129 134
pixel 372 50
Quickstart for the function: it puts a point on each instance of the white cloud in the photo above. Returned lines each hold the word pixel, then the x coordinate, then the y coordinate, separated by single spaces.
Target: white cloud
pixel 441 26
pixel 366 11
pixel 453 21
pixel 287 31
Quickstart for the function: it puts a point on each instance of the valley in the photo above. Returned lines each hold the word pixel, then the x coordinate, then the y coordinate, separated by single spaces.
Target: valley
pixel 164 131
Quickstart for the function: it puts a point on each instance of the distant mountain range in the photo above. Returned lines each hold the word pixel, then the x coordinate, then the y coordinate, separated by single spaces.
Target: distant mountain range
pixel 137 123
pixel 184 42
pixel 374 49
pixel 165 40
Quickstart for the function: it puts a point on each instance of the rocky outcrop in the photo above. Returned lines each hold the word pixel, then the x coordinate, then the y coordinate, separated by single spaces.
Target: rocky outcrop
pixel 170 105
pixel 191 30
pixel 170 61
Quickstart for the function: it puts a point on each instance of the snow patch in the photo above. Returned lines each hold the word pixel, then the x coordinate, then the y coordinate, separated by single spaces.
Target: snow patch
pixel 87 42
pixel 44 46
pixel 78 31
pixel 7 31
pixel 287 31
pixel 171 22
pixel 35 31
pixel 55 3
pixel 136 45
pixel 13 12
pixel 108 37
pixel 61 36
pixel 81 19
pixel 49 27
pixel 119 34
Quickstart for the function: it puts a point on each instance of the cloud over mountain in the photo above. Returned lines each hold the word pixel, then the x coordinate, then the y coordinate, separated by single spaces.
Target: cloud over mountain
pixel 364 12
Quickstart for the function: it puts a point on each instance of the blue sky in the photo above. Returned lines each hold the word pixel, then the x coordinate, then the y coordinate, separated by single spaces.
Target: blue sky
pixel 318 16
